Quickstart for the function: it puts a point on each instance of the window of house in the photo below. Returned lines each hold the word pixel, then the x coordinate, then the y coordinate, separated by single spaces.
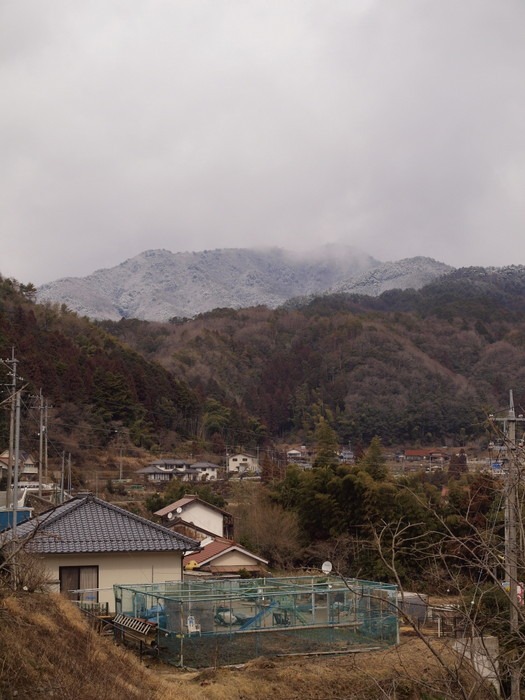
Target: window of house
pixel 79 583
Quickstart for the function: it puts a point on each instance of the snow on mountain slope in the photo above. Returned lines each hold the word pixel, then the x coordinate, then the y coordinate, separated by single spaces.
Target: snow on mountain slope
pixel 409 273
pixel 157 284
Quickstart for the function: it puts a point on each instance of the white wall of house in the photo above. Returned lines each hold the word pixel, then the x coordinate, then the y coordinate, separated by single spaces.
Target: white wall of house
pixel 120 568
pixel 204 517
pixel 240 463
pixel 234 558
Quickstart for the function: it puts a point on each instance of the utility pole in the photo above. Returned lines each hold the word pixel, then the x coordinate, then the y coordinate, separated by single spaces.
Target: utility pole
pixel 62 470
pixel 45 441
pixel 40 444
pixel 16 464
pixel 511 530
pixel 13 364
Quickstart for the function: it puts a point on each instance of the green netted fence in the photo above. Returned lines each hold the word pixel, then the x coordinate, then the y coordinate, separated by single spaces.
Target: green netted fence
pixel 217 622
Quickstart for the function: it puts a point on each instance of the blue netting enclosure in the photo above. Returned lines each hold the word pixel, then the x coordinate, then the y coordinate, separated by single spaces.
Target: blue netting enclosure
pixel 217 622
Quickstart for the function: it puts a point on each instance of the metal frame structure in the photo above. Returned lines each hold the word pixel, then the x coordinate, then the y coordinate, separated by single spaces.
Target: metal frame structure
pixel 225 621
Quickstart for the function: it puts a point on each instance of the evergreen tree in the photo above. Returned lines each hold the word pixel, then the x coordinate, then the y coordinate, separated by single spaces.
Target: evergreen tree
pixel 374 462
pixel 327 445
pixel 458 465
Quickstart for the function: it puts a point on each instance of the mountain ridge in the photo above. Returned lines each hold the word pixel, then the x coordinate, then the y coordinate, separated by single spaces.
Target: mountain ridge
pixel 157 285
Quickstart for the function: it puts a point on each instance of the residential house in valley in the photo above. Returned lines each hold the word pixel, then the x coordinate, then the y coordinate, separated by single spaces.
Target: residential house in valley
pixel 194 517
pixel 242 463
pixel 27 466
pixel 163 470
pixel 299 456
pixel 219 556
pixel 429 456
pixel 204 471
pixel 88 546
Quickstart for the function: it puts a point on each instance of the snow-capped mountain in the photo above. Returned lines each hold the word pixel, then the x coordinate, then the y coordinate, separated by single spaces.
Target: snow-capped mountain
pixel 157 284
pixel 409 273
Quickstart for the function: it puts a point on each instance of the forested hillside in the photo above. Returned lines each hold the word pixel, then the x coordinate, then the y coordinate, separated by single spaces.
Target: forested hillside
pixel 411 366
pixel 93 385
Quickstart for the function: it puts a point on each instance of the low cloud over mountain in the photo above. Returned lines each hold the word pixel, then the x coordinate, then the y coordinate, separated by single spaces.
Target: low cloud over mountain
pixel 157 284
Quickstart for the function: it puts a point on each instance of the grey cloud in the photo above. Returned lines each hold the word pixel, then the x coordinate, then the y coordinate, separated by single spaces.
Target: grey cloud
pixel 187 125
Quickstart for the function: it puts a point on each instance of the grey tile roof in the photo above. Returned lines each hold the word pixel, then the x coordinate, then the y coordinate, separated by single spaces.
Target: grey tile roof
pixel 89 524
pixel 171 463
pixel 153 469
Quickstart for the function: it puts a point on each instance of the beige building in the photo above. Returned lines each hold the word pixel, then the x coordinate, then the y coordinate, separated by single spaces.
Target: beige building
pixel 89 545
pixel 242 463
pixel 220 557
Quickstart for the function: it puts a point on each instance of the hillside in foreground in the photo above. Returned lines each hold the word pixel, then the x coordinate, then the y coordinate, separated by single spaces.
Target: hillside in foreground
pixel 48 651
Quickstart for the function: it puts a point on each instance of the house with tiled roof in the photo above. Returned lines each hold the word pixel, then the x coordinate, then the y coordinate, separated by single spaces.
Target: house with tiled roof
pixel 168 469
pixel 27 467
pixel 89 545
pixel 164 469
pixel 197 518
pixel 205 471
pixel 222 557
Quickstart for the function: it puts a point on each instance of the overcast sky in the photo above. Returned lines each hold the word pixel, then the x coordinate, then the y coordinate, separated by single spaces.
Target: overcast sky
pixel 397 126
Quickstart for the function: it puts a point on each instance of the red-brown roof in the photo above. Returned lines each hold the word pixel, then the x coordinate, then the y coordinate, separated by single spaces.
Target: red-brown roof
pixel 214 549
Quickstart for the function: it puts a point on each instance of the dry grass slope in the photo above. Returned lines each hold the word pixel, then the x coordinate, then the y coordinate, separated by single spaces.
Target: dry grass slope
pixel 409 672
pixel 48 651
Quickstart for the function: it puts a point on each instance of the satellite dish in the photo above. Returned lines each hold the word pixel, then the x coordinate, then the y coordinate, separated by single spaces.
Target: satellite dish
pixel 179 510
pixel 326 567
pixel 170 516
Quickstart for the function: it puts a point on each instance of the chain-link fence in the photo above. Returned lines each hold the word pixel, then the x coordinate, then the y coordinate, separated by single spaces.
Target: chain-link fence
pixel 218 622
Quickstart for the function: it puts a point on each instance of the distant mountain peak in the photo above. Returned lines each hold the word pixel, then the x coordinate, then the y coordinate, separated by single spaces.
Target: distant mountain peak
pixel 157 284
